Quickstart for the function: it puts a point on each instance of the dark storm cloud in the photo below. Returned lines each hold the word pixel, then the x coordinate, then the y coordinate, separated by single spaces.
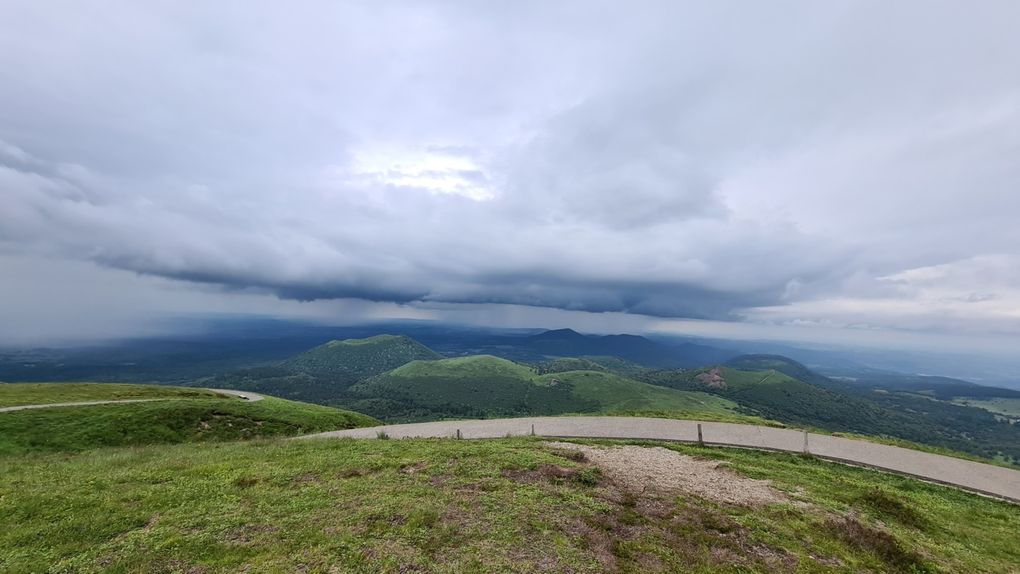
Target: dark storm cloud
pixel 840 163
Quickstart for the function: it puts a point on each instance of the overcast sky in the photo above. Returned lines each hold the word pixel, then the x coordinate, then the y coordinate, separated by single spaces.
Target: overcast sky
pixel 845 169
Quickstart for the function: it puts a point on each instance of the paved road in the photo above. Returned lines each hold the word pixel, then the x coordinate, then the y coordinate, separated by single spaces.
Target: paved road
pixel 975 476
pixel 251 397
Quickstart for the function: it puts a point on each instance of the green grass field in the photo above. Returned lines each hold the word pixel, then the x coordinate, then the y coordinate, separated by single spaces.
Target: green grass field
pixel 14 394
pixel 192 415
pixel 508 505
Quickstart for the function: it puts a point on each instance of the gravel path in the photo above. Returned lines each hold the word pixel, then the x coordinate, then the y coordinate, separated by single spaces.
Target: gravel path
pixel 251 397
pixel 78 404
pixel 975 476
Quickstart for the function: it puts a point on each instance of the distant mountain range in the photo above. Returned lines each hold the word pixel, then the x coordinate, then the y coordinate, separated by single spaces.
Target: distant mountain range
pixel 210 346
pixel 396 378
pixel 400 377
pixel 635 348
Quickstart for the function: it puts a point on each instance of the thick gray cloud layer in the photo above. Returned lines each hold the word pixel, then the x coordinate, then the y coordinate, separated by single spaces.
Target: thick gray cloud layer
pixel 845 164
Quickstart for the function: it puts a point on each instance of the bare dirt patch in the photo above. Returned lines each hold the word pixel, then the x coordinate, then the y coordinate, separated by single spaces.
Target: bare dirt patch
pixel 413 468
pixel 855 533
pixel 307 478
pixel 248 533
pixel 712 378
pixel 350 473
pixel 542 473
pixel 642 469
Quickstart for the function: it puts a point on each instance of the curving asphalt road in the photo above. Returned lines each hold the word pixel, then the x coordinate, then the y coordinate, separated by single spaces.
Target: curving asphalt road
pixel 975 476
pixel 250 397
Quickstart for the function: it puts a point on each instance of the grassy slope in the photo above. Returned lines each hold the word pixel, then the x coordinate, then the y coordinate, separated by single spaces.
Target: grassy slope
pixel 776 396
pixel 1003 406
pixel 357 358
pixel 564 364
pixel 459 506
pixel 479 385
pixel 323 374
pixel 13 394
pixel 779 363
pixel 502 387
pixel 170 421
pixel 474 366
pixel 617 365
pixel 616 393
pixel 745 379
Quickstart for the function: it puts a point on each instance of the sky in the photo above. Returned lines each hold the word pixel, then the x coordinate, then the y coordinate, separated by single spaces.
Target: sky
pixel 840 171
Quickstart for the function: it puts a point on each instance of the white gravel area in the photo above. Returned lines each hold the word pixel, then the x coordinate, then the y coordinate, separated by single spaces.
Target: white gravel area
pixel 641 469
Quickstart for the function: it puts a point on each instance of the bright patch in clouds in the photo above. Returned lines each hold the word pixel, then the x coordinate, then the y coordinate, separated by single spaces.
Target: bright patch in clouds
pixel 431 169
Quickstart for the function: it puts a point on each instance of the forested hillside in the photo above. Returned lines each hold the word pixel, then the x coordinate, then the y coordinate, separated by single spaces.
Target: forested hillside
pixel 485 386
pixel 836 406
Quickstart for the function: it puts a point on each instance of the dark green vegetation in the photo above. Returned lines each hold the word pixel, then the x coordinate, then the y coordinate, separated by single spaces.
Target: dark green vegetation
pixel 324 373
pixel 488 387
pixel 617 365
pixel 279 381
pixel 632 348
pixel 397 379
pixel 941 388
pixel 355 359
pixel 564 364
pixel 845 407
pixel 45 393
pixel 788 367
pixel 205 417
pixel 591 363
pixel 509 505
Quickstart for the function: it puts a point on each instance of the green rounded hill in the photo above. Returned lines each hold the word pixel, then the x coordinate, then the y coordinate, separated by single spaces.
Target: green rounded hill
pixel 359 358
pixel 483 385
